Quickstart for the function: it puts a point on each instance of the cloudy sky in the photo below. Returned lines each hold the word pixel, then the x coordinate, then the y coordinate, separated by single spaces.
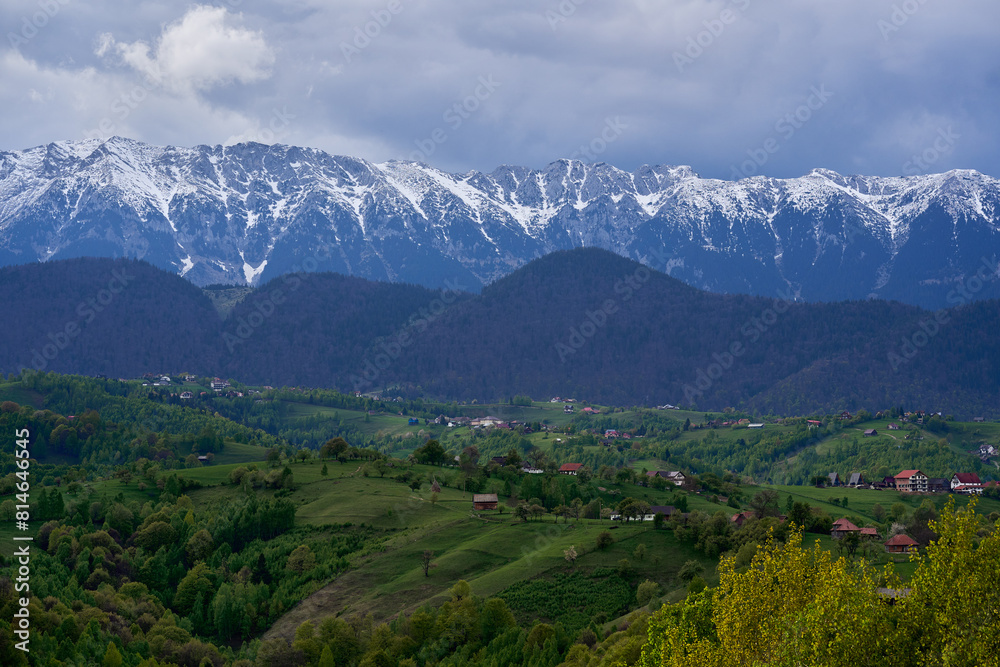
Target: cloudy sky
pixel 729 87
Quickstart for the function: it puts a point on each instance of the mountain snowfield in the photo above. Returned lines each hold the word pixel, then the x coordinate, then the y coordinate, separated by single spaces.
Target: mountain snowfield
pixel 249 212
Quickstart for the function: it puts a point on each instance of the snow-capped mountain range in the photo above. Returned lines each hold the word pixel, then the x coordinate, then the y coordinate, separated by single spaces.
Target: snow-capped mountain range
pixel 250 212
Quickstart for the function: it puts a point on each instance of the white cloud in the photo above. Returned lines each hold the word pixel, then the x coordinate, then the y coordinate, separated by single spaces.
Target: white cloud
pixel 164 72
pixel 201 51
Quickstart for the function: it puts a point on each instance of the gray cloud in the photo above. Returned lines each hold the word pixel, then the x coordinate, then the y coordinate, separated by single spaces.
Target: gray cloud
pixel 697 82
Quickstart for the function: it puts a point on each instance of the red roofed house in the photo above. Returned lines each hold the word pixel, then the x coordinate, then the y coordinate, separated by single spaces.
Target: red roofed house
pixel 911 481
pixel 966 482
pixel 569 468
pixel 869 531
pixel 901 544
pixel 741 517
pixel 842 527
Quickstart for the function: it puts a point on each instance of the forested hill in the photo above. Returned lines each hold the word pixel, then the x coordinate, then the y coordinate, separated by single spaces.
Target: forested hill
pixel 583 323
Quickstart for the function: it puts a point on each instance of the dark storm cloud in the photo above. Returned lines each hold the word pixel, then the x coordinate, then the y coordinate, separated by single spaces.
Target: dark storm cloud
pixel 730 87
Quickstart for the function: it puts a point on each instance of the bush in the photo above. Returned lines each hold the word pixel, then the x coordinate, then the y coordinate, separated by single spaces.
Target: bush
pixel 647 591
pixel 690 570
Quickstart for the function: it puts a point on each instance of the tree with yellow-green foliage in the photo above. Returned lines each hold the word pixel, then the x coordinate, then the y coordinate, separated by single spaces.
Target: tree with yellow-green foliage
pixel 796 606
pixel 953 612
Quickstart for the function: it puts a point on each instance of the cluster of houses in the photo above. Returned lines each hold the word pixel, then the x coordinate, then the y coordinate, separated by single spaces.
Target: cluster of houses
pixel 487 422
pixel 526 466
pixel 914 481
pixel 844 527
pixel 897 544
pixel 721 423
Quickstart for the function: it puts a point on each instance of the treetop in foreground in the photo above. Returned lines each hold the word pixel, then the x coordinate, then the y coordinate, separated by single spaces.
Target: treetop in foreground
pixel 799 606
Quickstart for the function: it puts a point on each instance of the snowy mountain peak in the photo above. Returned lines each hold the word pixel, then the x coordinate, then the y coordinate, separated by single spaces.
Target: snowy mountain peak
pixel 248 212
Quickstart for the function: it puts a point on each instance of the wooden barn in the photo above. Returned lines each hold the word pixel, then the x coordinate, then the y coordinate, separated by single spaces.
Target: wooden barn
pixel 484 501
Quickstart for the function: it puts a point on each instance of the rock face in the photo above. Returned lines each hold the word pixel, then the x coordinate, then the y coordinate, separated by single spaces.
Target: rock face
pixel 250 212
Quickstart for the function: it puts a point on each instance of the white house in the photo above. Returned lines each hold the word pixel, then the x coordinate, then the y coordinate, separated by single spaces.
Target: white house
pixel 967 483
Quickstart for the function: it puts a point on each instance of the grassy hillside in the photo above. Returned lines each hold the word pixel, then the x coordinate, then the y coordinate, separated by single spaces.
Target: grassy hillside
pixel 491 550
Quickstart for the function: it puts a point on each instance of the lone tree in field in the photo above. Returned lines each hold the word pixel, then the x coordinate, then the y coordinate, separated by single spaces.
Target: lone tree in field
pixel 765 503
pixel 570 555
pixel 605 540
pixel 427 562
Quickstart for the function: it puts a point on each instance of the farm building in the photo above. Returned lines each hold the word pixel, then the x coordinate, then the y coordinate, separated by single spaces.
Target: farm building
pixel 842 527
pixel 901 544
pixel 937 485
pixel 484 501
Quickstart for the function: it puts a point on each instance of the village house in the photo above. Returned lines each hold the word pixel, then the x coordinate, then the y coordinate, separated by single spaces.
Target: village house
pixel 666 510
pixel 856 480
pixel 893 426
pixel 569 468
pixel 967 483
pixel 887 483
pixel 484 501
pixel 842 527
pixel 530 469
pixel 834 479
pixel 911 481
pixel 741 517
pixel 676 477
pixel 901 544
pixel 869 532
pixel 871 433
pixel 813 423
